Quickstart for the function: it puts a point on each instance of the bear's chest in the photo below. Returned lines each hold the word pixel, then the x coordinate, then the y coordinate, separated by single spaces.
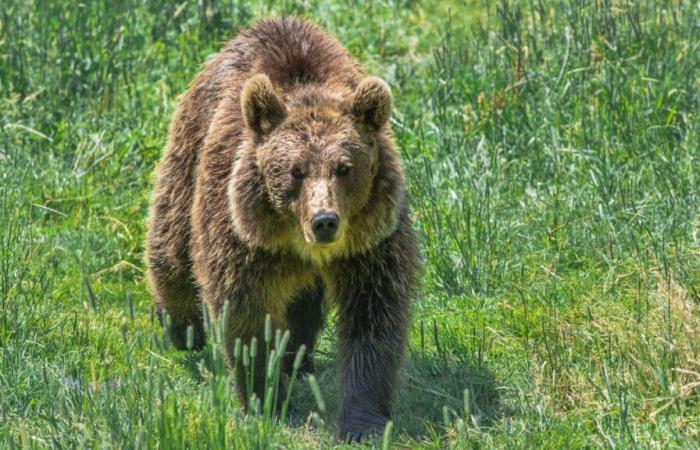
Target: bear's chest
pixel 276 280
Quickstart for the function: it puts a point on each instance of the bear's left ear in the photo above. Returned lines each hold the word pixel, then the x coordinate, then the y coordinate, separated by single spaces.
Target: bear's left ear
pixel 371 104
pixel 262 109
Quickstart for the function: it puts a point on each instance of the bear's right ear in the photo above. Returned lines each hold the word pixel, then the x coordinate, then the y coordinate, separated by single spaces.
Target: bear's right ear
pixel 262 109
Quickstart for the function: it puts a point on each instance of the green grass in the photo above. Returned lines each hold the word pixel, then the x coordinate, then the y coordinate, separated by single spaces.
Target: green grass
pixel 552 153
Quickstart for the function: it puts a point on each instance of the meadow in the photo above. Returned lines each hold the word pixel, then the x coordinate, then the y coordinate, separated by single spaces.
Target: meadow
pixel 552 150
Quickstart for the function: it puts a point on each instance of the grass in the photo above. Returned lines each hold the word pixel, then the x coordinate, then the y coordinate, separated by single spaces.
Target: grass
pixel 552 153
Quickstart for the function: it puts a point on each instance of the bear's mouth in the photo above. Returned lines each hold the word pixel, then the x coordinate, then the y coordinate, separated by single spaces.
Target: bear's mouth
pixel 309 248
pixel 312 242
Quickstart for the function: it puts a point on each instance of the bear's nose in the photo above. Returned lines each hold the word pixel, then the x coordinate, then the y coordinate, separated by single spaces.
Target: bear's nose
pixel 324 226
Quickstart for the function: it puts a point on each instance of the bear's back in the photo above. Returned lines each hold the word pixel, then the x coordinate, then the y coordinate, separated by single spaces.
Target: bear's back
pixel 293 52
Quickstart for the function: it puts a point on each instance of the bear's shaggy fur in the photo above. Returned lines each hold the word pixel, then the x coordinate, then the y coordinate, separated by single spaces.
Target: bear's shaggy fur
pixel 279 136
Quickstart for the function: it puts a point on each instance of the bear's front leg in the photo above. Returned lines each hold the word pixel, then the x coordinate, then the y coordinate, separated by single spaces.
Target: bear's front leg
pixel 373 293
pixel 248 325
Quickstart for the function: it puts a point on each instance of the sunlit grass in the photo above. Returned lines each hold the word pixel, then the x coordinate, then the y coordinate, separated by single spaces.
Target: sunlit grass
pixel 551 150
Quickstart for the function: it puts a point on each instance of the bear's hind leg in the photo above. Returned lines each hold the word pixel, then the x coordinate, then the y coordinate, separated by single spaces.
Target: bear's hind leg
pixel 179 299
pixel 305 319
pixel 169 273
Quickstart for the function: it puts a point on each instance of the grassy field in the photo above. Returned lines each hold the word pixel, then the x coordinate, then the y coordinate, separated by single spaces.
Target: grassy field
pixel 552 149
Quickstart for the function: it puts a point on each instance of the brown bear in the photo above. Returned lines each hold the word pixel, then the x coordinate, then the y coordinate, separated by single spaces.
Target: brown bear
pixel 280 189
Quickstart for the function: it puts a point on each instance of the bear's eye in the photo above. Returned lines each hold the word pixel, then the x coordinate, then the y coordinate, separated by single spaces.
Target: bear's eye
pixel 297 174
pixel 343 170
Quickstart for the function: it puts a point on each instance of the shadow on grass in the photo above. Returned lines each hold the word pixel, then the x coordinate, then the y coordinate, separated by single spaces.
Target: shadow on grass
pixel 427 386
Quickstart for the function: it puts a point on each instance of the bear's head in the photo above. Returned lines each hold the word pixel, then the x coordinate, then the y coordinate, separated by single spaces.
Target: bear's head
pixel 317 173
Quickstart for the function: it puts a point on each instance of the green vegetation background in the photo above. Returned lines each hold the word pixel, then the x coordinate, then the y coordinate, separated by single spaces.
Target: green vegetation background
pixel 552 153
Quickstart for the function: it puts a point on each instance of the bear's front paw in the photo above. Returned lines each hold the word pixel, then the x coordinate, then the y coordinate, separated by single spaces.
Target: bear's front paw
pixel 352 437
pixel 177 331
pixel 308 366
pixel 358 426
pixel 178 336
